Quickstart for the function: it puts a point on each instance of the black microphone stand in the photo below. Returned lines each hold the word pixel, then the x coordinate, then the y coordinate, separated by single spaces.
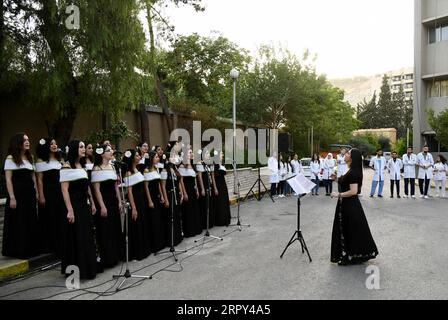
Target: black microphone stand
pixel 125 207
pixel 207 202
pixel 174 202
pixel 238 185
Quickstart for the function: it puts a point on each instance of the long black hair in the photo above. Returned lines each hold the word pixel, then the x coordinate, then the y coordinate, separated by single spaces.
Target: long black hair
pixel 15 149
pixel 43 151
pixel 315 157
pixel 356 166
pixel 151 155
pixel 442 159
pixel 98 158
pixel 129 162
pixel 73 154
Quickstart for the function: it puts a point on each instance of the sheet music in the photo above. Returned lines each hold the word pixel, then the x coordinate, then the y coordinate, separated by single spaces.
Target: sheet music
pixel 301 185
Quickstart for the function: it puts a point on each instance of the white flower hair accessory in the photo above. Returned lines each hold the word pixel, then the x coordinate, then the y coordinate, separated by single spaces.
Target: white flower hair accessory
pixel 183 145
pixel 164 157
pixel 42 142
pixel 199 151
pixel 99 151
pixel 153 148
pixel 128 154
pixel 146 156
pixel 67 149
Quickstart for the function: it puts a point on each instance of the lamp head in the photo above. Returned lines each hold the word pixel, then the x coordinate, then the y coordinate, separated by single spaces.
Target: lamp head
pixel 234 74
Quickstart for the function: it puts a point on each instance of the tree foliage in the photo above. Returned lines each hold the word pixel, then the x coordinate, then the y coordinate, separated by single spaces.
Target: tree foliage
pixel 439 123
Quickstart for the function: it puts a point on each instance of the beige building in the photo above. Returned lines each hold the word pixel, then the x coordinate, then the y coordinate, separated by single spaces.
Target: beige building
pixel 431 68
pixel 402 78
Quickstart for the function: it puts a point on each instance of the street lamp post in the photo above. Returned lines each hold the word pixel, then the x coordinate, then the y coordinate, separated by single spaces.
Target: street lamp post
pixel 234 74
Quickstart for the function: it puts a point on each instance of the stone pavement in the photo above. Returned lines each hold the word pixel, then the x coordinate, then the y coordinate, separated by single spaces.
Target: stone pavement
pixel 410 234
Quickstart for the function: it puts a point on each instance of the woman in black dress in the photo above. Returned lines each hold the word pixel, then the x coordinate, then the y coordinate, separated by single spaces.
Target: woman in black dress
pixel 143 149
pixel 79 247
pixel 51 202
pixel 351 242
pixel 205 181
pixel 221 200
pixel 157 221
pixel 139 241
pixel 20 229
pixel 89 159
pixel 191 215
pixel 108 201
pixel 170 179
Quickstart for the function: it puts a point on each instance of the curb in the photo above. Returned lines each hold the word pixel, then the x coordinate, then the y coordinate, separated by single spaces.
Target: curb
pixel 14 267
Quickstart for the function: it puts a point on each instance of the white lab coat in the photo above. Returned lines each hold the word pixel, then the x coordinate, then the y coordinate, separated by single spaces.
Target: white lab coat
pixel 409 163
pixel 296 166
pixel 440 170
pixel 342 165
pixel 428 163
pixel 283 171
pixel 379 165
pixel 315 168
pixel 273 168
pixel 328 166
pixel 395 169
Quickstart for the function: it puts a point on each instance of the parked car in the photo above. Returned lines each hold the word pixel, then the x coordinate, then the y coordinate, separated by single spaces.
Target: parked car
pixel 306 162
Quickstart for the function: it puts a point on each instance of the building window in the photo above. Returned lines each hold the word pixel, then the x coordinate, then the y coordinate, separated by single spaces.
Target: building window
pixel 444 33
pixel 444 88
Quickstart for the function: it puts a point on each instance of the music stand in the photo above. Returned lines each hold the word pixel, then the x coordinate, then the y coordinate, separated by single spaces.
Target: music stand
pixel 301 186
pixel 260 195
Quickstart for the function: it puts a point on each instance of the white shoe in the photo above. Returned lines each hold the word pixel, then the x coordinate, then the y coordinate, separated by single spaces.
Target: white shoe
pixel 422 196
pixel 405 196
pixel 426 197
pixel 413 197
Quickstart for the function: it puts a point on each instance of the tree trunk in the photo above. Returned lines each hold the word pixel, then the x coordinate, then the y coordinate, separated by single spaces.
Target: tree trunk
pixel 163 101
pixel 53 31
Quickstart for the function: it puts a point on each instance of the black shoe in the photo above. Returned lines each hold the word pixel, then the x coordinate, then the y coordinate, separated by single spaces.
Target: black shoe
pixel 371 196
pixel 399 197
pixel 380 196
pixel 391 197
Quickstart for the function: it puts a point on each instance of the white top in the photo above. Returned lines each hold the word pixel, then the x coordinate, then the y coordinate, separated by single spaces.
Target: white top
pixel 184 172
pixel 103 175
pixel 10 165
pixel 273 168
pixel 89 166
pixel 315 168
pixel 440 171
pixel 379 165
pixel 164 175
pixel 69 175
pixel 342 165
pixel 283 171
pixel 409 163
pixel 394 168
pixel 134 179
pixel 296 166
pixel 426 161
pixel 152 175
pixel 42 166
pixel 328 165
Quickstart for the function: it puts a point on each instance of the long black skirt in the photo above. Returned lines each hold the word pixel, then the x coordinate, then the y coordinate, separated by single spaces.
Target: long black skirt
pixel 191 214
pixel 352 241
pixel 221 205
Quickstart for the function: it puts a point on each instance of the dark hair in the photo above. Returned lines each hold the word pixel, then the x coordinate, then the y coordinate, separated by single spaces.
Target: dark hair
pixel 73 154
pixel 442 158
pixel 43 151
pixel 394 152
pixel 315 157
pixel 378 150
pixel 356 166
pixel 151 156
pixel 129 162
pixel 99 157
pixel 425 146
pixel 92 157
pixel 15 148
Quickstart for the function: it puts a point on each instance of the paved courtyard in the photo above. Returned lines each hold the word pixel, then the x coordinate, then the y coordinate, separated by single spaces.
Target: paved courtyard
pixel 411 236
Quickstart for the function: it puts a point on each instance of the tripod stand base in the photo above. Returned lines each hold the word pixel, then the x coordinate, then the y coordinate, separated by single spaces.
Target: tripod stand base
pixel 297 236
pixel 208 235
pixel 239 225
pixel 173 252
pixel 127 275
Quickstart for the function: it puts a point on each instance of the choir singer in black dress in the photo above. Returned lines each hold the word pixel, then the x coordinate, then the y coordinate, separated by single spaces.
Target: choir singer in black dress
pixel 352 242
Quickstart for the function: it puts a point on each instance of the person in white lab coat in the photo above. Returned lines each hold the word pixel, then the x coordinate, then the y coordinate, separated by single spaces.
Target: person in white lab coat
pixel 296 165
pixel 378 163
pixel 328 173
pixel 274 168
pixel 425 162
pixel 342 165
pixel 440 170
pixel 315 168
pixel 394 166
pixel 409 163
pixel 282 173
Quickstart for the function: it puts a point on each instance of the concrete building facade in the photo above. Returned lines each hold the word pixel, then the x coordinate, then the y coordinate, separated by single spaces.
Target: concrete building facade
pixel 431 68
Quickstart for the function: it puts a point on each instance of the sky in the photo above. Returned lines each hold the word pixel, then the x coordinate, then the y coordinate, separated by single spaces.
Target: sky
pixel 350 37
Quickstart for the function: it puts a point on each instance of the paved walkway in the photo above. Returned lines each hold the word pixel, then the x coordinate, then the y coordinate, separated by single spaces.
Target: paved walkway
pixel 411 236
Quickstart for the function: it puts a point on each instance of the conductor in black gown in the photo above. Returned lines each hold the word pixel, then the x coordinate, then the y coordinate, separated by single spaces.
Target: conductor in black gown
pixel 352 241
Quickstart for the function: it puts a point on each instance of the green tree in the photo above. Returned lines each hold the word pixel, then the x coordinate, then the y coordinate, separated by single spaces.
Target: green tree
pixel 363 144
pixel 368 113
pixel 439 124
pixel 62 70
